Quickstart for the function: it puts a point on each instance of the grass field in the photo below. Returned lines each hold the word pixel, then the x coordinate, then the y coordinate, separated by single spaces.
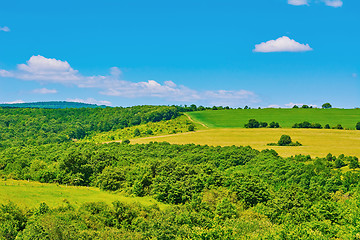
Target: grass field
pixel 316 142
pixel 31 194
pixel 285 117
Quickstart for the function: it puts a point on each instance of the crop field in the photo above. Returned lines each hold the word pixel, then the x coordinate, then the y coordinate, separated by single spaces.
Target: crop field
pixel 285 117
pixel 31 194
pixel 316 142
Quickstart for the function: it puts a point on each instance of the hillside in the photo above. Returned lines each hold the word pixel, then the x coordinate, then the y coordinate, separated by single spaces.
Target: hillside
pixel 285 117
pixel 51 105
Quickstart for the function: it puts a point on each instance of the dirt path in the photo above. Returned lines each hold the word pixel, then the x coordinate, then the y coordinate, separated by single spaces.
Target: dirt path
pixel 195 121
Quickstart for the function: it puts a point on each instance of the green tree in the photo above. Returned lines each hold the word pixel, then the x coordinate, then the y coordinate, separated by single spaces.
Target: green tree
pixel 326 105
pixel 252 124
pixel 285 140
pixel 358 126
pixel 136 132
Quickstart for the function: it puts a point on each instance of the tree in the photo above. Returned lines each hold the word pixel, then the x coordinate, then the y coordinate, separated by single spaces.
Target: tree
pixel 358 126
pixel 136 132
pixel 326 105
pixel 327 126
pixel 191 128
pixel 284 140
pixel 252 124
pixel 274 125
pixel 295 106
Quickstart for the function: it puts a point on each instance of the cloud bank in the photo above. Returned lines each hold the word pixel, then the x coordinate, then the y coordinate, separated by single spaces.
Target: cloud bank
pixel 5 29
pixel 282 44
pixel 330 3
pixel 45 91
pixel 334 3
pixel 298 2
pixel 50 70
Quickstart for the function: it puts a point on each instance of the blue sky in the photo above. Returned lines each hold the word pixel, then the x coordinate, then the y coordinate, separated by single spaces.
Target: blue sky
pixel 121 53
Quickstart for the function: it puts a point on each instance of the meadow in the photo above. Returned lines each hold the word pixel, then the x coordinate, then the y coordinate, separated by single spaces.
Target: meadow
pixel 29 194
pixel 316 142
pixel 285 117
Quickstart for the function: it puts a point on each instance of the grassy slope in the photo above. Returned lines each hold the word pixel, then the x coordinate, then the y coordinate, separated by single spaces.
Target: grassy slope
pixel 31 194
pixel 286 117
pixel 173 126
pixel 316 142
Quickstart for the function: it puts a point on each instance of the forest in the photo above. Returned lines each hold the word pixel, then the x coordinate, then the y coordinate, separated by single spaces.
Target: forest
pixel 210 192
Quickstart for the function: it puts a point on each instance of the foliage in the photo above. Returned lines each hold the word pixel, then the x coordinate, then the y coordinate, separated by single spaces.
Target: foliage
pixel 326 106
pixel 51 105
pixel 25 126
pixel 306 124
pixel 357 126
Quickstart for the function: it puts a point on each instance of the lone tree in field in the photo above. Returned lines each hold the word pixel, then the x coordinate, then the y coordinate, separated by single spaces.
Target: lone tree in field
pixel 326 105
pixel 285 140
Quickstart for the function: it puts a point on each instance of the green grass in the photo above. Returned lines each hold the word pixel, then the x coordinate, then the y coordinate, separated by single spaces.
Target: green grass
pixel 173 126
pixel 31 194
pixel 285 117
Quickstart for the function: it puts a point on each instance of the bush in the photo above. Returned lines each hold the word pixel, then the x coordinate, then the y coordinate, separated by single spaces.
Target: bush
pixel 136 132
pixel 327 126
pixel 326 105
pixel 358 126
pixel 252 124
pixel 274 125
pixel 285 140
pixel 191 128
pixel 338 127
pixel 263 124
pixel 306 124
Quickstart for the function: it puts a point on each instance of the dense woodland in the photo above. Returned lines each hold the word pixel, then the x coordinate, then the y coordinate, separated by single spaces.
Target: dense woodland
pixel 210 192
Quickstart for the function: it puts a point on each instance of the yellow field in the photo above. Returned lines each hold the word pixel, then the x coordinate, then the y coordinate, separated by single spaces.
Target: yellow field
pixel 316 142
pixel 31 194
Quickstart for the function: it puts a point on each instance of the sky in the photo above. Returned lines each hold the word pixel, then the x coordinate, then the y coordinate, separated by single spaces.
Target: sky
pixel 259 53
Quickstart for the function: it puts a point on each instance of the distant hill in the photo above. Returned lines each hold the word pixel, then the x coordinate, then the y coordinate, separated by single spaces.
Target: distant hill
pixel 52 105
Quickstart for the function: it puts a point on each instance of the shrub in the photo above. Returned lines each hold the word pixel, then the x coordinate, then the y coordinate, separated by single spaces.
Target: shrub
pixel 338 127
pixel 327 126
pixel 263 124
pixel 358 126
pixel 274 125
pixel 149 132
pixel 354 163
pixel 307 124
pixel 339 163
pixel 252 124
pixel 326 105
pixel 284 140
pixel 136 132
pixel 191 128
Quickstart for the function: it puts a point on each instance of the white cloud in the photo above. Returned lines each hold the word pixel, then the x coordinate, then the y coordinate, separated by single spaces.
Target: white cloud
pixel 298 2
pixel 274 106
pixel 45 91
pixel 90 101
pixel 291 104
pixel 334 3
pixel 282 44
pixel 16 101
pixel 49 70
pixel 5 29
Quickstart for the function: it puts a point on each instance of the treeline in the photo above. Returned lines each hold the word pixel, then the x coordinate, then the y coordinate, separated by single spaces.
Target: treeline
pixel 27 126
pixel 213 192
pixel 52 104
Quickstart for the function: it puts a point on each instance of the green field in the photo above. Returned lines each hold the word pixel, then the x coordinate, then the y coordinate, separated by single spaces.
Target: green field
pixel 316 142
pixel 285 117
pixel 31 194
